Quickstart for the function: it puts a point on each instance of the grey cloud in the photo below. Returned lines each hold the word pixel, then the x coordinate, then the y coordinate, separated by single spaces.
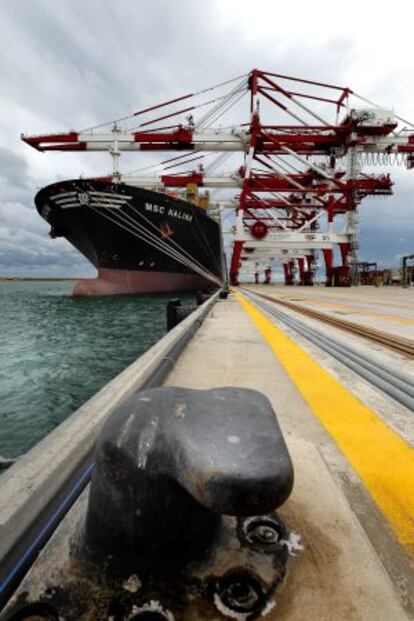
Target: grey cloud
pixel 90 61
pixel 15 184
pixel 26 249
pixel 70 65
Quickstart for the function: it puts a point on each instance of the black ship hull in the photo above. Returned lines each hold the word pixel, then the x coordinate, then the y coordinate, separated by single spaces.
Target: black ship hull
pixel 140 241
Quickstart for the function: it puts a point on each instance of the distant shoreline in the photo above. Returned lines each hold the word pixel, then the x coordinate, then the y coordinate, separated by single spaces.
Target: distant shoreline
pixel 37 278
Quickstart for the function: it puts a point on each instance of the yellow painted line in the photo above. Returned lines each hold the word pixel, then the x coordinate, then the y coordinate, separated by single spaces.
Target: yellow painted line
pixel 382 459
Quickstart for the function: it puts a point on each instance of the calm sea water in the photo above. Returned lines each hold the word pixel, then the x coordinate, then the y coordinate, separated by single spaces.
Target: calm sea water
pixel 56 351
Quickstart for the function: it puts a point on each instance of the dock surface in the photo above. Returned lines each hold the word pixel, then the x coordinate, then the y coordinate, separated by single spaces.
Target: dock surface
pixel 347 419
pixel 351 446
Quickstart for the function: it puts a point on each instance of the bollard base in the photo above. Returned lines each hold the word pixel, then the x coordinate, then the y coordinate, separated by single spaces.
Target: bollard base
pixel 237 580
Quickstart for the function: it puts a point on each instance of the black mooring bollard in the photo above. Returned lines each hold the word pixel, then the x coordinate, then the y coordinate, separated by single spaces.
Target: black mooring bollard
pixel 224 294
pixel 171 461
pixel 171 313
pixel 202 296
pixel 180 520
pixel 176 312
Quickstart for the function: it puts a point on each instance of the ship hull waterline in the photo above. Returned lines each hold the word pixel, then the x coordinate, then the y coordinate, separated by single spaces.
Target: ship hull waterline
pixel 124 282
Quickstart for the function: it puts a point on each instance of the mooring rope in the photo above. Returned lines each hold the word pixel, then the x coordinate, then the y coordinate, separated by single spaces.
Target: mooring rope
pixel 172 241
pixel 140 232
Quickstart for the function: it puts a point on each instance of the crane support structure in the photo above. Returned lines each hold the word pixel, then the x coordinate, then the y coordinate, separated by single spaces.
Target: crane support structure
pixel 407 271
pixel 301 156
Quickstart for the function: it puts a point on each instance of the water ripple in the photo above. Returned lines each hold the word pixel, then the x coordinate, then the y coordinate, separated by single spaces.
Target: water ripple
pixel 56 351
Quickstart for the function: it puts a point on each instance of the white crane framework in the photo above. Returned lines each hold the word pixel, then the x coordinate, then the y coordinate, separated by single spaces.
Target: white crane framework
pixel 306 156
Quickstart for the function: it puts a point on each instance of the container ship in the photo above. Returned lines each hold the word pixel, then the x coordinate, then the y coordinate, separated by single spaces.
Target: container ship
pixel 139 240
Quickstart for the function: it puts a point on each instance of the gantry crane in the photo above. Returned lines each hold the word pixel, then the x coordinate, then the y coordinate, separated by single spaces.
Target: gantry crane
pixel 306 158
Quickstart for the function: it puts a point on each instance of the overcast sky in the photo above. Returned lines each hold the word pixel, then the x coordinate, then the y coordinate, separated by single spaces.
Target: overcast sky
pixel 70 64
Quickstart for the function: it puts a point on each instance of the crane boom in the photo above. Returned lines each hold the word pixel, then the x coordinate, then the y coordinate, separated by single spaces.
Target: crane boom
pixel 299 162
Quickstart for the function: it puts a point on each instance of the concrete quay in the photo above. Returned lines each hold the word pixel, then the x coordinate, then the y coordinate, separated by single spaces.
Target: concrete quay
pixel 353 562
pixel 351 511
pixel 387 308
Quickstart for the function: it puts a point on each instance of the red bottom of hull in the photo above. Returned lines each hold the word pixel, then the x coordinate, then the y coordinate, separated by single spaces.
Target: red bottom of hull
pixel 119 282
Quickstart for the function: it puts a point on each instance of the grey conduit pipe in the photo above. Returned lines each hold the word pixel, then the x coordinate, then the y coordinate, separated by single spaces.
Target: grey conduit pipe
pixel 396 385
pixel 388 375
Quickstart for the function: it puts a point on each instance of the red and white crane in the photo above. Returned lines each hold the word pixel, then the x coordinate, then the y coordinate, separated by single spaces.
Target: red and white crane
pixel 301 162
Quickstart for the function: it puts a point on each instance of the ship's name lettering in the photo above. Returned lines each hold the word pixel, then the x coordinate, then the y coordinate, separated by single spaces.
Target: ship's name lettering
pixel 154 208
pixel 173 213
